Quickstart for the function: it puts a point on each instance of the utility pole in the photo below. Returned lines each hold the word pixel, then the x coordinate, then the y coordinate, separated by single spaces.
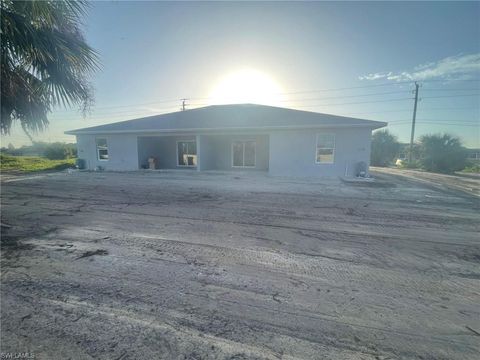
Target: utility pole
pixel 412 134
pixel 183 104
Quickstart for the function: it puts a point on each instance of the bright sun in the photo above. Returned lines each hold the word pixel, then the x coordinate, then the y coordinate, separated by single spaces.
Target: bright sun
pixel 246 86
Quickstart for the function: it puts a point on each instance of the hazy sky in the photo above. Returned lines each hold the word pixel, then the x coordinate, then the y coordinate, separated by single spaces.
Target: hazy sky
pixel 317 56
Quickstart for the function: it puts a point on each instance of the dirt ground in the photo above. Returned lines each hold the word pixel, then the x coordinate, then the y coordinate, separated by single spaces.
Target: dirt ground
pixel 183 265
pixel 467 183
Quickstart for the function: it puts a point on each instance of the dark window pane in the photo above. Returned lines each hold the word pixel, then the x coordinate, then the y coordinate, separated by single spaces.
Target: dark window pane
pixel 103 154
pixel 102 149
pixel 237 149
pixel 192 148
pixel 326 141
pixel 102 142
pixel 187 153
pixel 182 150
pixel 325 155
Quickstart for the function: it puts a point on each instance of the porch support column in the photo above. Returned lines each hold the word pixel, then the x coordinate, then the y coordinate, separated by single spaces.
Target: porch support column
pixel 198 140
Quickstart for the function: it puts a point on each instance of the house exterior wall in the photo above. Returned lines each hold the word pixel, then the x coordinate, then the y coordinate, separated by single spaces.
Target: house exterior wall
pixel 122 152
pixel 205 151
pixel 216 151
pixel 282 153
pixel 292 153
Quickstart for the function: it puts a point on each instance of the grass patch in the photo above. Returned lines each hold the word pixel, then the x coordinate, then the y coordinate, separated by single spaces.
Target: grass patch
pixel 33 163
pixel 472 169
pixel 415 165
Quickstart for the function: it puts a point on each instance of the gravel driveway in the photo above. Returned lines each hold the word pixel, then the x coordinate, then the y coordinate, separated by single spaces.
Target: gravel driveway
pixel 185 265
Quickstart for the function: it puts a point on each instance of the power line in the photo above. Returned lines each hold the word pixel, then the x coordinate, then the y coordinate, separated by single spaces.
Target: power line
pixel 358 102
pixel 331 98
pixel 145 103
pixel 102 113
pixel 316 99
pixel 328 89
pixel 347 96
pixel 336 97
pixel 135 112
pixel 99 112
pixel 348 88
pixel 448 80
pixel 378 85
pixel 405 110
pixel 439 121
pixel 431 123
pixel 291 93
pixel 454 108
pixel 449 96
pixel 322 98
pixel 474 89
pixel 459 121
pixel 304 92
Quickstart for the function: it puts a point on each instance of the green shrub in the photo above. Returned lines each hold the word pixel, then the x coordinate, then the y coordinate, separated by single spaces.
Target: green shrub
pixel 52 151
pixel 414 165
pixel 472 168
pixel 59 151
pixel 384 148
pixel 442 153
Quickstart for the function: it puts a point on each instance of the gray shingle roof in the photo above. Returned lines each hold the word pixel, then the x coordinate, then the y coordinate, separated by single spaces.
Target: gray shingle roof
pixel 230 117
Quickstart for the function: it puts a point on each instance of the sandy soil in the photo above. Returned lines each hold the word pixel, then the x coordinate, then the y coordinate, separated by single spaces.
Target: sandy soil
pixel 182 265
pixel 467 183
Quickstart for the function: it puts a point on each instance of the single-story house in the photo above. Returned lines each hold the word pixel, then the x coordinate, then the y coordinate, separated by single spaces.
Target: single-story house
pixel 244 137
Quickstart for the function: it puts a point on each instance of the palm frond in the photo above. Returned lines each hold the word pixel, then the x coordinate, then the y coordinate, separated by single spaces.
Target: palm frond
pixel 45 61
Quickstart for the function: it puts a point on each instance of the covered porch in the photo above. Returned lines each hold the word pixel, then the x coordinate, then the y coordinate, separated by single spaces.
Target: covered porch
pixel 224 152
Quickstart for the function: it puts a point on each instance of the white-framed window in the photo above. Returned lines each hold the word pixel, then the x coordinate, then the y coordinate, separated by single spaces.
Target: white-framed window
pixel 187 153
pixel 102 149
pixel 244 154
pixel 325 152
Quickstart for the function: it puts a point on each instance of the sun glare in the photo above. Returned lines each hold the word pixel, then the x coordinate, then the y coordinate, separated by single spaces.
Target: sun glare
pixel 246 86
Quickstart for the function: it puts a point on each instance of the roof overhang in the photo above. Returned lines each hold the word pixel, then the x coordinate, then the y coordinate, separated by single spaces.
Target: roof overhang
pixel 372 125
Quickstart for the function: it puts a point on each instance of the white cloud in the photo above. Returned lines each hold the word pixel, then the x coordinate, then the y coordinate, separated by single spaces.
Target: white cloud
pixel 374 76
pixel 452 67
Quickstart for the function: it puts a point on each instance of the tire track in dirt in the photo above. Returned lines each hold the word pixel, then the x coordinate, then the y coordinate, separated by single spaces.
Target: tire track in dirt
pixel 298 270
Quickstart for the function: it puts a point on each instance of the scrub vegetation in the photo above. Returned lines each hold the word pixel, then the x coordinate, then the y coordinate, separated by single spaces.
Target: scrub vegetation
pixel 385 148
pixel 52 151
pixel 472 168
pixel 440 153
pixel 33 163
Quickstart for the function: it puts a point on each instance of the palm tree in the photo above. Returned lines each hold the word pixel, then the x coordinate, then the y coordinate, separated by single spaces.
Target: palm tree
pixel 45 61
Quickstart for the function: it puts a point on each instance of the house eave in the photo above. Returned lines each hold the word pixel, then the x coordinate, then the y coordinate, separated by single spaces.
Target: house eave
pixel 373 126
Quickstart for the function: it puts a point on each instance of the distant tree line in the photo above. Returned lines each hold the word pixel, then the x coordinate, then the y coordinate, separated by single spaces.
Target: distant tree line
pixel 442 153
pixel 52 151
